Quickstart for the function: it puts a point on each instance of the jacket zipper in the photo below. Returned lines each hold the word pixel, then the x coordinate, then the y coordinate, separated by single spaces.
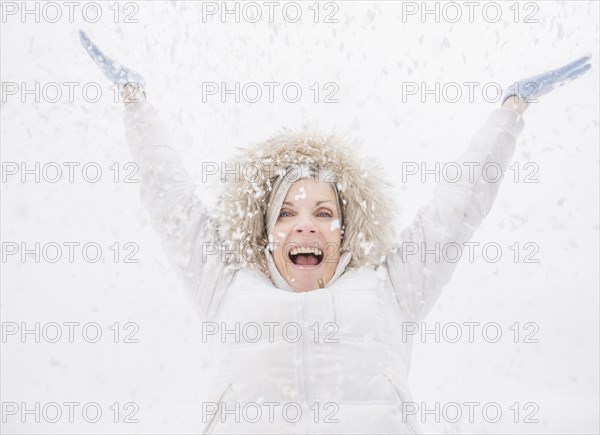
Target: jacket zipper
pixel 304 371
pixel 399 395
pixel 211 423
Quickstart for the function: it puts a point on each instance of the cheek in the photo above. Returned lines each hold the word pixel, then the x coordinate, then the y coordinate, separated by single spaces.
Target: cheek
pixel 279 234
pixel 334 225
pixel 278 238
pixel 332 231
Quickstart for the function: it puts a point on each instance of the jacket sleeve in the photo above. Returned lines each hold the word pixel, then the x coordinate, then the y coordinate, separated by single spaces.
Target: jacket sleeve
pixel 417 267
pixel 176 213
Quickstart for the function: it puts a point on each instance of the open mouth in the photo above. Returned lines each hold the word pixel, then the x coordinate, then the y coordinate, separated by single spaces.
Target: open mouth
pixel 305 256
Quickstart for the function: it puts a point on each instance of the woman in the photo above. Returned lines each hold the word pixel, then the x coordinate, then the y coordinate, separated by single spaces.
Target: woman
pixel 300 277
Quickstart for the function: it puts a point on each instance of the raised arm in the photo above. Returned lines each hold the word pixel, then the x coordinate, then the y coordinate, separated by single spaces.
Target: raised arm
pixel 417 267
pixel 166 189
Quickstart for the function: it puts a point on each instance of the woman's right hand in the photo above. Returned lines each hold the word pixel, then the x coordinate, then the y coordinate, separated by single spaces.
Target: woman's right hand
pixel 115 72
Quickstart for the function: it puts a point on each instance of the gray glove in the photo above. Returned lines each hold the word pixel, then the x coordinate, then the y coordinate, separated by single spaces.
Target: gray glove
pixel 534 87
pixel 115 72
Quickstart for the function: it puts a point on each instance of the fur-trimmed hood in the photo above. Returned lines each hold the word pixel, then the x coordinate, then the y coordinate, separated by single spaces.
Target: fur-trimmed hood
pixel 369 213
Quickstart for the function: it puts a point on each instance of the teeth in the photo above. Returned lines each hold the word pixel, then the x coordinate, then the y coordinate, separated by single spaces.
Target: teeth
pixel 302 250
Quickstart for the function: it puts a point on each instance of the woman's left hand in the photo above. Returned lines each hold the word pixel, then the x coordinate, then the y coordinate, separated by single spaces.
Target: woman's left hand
pixel 527 91
pixel 516 103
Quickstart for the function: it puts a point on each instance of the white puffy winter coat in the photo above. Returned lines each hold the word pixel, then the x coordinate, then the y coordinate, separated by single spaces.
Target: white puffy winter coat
pixel 332 360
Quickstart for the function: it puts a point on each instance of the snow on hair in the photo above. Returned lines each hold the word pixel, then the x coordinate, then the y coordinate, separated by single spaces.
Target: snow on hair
pixel 241 217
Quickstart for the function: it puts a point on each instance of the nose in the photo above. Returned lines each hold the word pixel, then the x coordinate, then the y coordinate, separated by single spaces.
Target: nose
pixel 305 225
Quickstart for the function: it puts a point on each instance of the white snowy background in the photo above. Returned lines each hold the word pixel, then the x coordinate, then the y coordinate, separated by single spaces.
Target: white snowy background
pixel 369 53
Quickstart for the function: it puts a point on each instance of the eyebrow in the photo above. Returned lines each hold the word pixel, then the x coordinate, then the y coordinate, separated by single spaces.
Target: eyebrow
pixel 316 205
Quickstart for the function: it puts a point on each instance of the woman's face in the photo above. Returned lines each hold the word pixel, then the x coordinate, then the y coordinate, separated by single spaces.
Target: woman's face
pixel 307 235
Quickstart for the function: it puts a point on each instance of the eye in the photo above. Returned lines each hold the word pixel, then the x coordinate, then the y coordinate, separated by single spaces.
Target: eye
pixel 324 213
pixel 285 213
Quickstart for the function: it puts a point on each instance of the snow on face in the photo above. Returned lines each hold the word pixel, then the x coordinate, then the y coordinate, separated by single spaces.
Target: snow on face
pixel 301 194
pixel 334 225
pixel 275 240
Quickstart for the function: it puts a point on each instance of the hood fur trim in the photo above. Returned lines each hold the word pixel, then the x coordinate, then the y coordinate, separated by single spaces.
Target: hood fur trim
pixel 368 207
